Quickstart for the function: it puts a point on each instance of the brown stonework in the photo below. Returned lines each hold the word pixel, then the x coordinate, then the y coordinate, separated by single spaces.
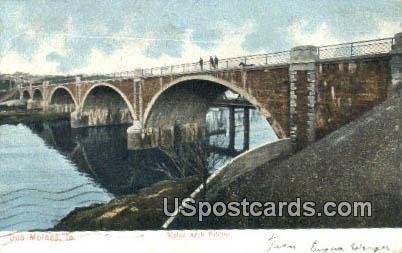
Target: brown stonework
pixel 344 95
pixel 271 88
pixel 151 87
pixel 304 99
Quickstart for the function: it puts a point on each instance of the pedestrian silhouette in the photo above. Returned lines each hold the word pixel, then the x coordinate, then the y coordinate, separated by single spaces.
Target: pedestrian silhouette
pixel 201 62
pixel 211 62
pixel 216 62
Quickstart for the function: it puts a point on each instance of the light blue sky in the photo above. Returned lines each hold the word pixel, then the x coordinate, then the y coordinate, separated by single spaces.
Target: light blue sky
pixel 61 36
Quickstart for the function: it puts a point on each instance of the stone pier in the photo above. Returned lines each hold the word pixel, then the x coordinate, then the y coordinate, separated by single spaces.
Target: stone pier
pixel 396 67
pixel 303 90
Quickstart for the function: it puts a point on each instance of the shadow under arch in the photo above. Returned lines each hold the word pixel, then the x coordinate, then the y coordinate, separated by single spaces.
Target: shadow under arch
pixel 37 94
pixel 278 129
pixel 59 89
pixel 26 95
pixel 102 104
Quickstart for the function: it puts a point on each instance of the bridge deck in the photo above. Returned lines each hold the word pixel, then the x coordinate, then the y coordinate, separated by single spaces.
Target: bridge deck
pixel 325 53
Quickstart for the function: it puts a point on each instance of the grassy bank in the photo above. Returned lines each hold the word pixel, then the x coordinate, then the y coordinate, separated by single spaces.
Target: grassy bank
pixel 133 212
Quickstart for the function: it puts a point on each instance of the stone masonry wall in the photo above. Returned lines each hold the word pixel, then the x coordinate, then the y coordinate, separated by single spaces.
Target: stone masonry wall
pixel 271 88
pixel 347 89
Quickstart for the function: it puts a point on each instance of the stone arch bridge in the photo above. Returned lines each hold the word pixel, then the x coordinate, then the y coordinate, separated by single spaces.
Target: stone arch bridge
pixel 304 93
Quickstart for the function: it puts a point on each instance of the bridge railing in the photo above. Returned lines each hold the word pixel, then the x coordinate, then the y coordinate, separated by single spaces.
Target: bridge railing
pixel 226 63
pixel 343 50
pixel 359 48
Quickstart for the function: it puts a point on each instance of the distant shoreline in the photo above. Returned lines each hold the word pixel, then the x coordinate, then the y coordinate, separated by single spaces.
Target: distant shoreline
pixel 16 117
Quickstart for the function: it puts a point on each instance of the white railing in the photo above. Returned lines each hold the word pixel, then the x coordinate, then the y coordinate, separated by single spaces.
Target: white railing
pixel 359 48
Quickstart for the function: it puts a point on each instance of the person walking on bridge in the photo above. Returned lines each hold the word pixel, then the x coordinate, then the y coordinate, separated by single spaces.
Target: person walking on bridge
pixel 201 62
pixel 211 62
pixel 216 62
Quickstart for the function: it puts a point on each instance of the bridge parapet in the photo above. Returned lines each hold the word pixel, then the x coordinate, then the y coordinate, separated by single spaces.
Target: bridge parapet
pixel 324 53
pixel 304 93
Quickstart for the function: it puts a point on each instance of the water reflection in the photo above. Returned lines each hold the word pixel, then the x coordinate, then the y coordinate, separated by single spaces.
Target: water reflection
pixel 48 169
pixel 38 185
pixel 101 152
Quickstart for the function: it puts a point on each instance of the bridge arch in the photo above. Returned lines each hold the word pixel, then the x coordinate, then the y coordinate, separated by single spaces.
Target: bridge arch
pixel 61 90
pixel 26 95
pixel 217 82
pixel 123 96
pixel 110 94
pixel 37 94
pixel 61 100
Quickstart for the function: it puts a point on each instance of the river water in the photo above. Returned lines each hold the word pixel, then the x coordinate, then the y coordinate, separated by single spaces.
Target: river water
pixel 48 169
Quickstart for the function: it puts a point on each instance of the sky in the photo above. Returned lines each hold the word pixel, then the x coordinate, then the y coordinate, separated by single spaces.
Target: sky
pixel 93 36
